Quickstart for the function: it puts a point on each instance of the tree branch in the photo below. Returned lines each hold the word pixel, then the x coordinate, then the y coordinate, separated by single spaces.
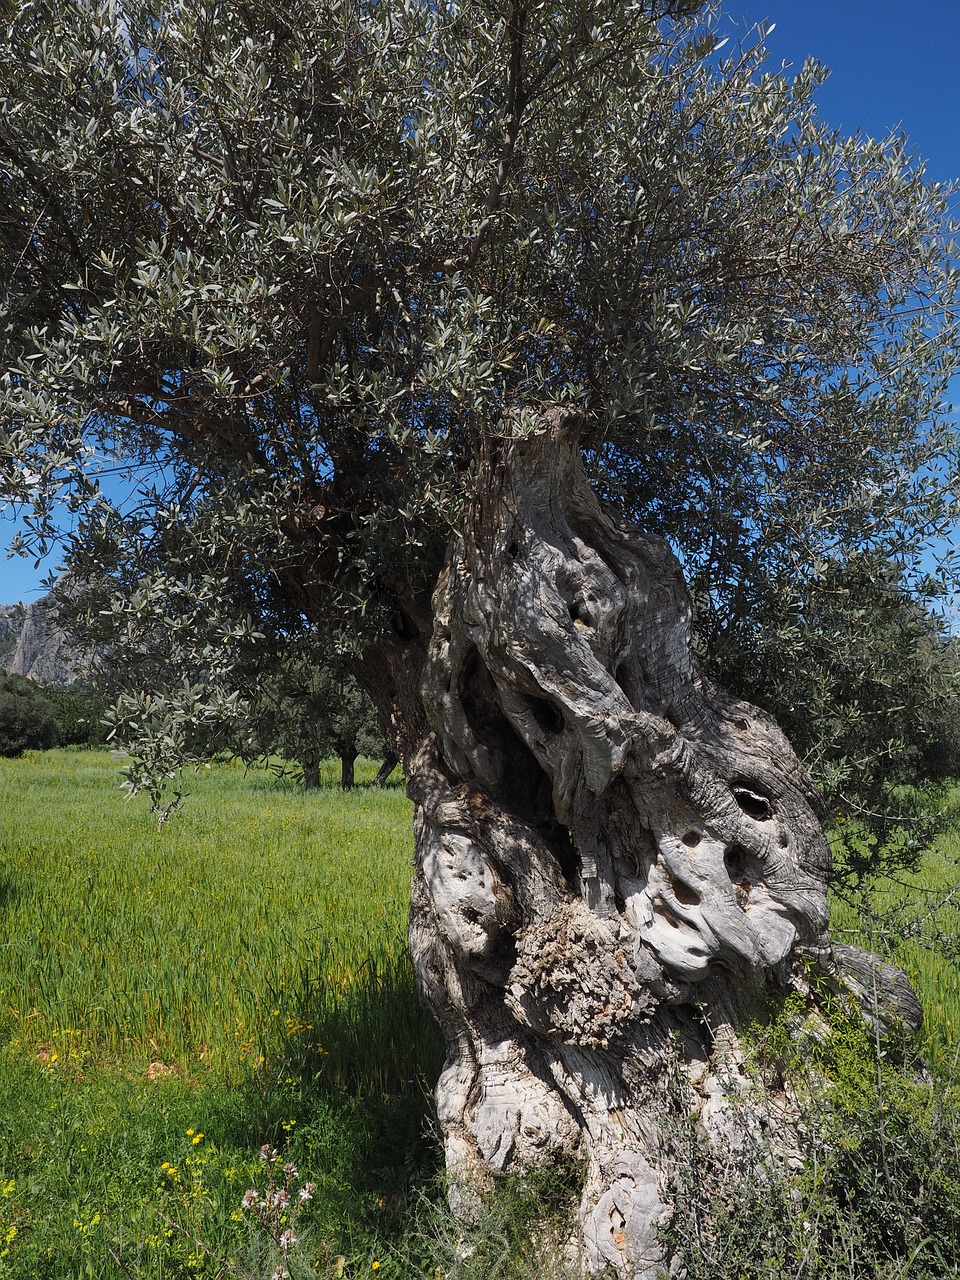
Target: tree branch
pixel 517 99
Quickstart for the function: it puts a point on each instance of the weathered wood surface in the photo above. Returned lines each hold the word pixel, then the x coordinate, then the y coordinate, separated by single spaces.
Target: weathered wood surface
pixel 616 862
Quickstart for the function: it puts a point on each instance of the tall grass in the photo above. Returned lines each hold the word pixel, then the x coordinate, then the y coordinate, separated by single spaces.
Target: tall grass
pixel 170 1000
pixel 260 918
pixel 926 944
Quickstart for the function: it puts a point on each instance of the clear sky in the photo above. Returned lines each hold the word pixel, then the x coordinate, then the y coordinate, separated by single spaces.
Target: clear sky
pixel 894 66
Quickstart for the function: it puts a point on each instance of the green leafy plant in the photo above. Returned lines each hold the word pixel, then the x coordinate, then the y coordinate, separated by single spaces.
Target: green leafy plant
pixel 27 720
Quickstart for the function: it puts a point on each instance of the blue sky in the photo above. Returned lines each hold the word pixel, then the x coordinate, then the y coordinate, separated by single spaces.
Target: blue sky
pixel 894 65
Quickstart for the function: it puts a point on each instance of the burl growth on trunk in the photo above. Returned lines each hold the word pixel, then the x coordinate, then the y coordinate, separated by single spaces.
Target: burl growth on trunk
pixel 615 860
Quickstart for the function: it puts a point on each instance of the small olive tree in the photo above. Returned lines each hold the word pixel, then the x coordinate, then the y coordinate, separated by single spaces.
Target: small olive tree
pixel 309 708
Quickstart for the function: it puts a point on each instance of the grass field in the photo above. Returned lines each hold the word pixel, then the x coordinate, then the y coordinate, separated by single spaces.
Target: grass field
pixel 171 1000
pixel 242 974
pixel 258 913
pixel 935 974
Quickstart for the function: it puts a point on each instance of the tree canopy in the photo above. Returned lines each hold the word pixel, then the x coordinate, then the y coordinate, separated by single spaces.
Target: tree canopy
pixel 284 265
pixel 27 719
pixel 410 327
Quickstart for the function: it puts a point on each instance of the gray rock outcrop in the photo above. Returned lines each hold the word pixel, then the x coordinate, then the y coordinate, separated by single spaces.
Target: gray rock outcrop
pixel 11 624
pixel 32 645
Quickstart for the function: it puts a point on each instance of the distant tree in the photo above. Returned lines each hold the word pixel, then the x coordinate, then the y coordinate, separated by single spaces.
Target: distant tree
pixel 307 710
pixel 79 714
pixel 27 720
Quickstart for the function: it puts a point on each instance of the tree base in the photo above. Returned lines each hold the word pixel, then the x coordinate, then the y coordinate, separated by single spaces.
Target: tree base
pixel 619 868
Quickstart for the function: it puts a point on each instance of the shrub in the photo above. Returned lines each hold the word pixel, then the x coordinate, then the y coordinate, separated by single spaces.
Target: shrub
pixel 27 720
pixel 876 1195
pixel 78 713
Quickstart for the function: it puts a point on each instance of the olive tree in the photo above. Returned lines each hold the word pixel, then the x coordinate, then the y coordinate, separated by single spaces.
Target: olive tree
pixel 449 333
pixel 307 708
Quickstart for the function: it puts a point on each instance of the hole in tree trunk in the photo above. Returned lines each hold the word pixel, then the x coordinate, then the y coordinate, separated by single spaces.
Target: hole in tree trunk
pixel 546 715
pixel 558 838
pixel 735 860
pixel 662 910
pixel 754 806
pixel 684 893
pixel 526 789
pixel 743 870
pixel 691 839
pixel 580 613
pixel 627 681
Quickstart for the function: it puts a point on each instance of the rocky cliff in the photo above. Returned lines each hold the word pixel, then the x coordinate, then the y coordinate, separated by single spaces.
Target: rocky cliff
pixel 32 645
pixel 11 624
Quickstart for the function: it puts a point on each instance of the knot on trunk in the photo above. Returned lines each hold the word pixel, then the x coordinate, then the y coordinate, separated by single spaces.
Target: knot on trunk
pixel 574 980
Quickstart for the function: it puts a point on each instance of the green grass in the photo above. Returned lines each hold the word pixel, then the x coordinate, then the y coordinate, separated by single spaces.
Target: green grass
pixel 258 913
pixel 241 973
pixel 933 969
pixel 172 999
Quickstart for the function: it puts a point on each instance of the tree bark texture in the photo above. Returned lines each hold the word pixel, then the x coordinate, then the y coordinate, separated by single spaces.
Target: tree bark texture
pixel 617 864
pixel 310 762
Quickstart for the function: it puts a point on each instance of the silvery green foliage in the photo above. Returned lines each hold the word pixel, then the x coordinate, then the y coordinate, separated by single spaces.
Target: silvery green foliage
pixel 280 264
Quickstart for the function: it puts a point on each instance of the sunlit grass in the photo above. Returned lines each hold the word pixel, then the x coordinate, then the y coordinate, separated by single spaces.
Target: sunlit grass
pixel 258 914
pixel 241 974
pixel 169 1000
pixel 933 968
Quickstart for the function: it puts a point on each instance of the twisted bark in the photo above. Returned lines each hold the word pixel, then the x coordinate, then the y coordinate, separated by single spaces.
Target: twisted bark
pixel 615 860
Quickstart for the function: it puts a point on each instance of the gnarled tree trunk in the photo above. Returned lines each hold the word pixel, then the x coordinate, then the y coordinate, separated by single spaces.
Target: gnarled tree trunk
pixel 615 861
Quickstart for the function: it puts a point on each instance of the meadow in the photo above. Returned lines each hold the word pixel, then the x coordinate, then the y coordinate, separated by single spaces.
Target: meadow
pixel 171 1000
pixel 240 974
